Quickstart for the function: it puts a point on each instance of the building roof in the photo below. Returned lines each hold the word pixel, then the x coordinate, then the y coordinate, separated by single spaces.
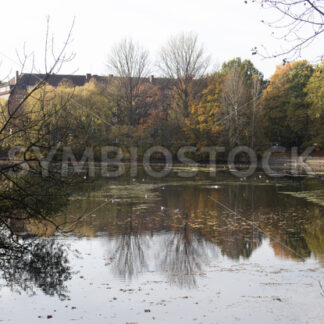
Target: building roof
pixel 26 80
pixel 29 79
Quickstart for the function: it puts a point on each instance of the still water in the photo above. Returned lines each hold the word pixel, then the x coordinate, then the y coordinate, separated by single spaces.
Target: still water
pixel 176 250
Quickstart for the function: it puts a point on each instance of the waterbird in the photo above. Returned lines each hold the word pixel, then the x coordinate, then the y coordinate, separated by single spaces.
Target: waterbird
pixel 162 208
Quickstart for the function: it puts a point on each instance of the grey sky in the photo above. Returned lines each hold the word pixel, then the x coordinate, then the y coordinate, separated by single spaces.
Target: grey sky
pixel 228 29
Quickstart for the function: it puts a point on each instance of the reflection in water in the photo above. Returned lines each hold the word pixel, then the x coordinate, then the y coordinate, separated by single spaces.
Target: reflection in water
pixel 190 223
pixel 129 258
pixel 182 224
pixel 184 254
pixel 28 208
pixel 314 235
pixel 34 263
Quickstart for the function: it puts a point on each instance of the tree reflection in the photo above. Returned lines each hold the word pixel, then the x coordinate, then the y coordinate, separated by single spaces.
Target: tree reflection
pixel 314 235
pixel 32 190
pixel 188 227
pixel 29 206
pixel 184 255
pixel 27 264
pixel 129 257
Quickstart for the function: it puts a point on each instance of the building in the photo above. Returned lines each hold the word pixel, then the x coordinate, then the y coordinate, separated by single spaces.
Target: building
pixel 21 83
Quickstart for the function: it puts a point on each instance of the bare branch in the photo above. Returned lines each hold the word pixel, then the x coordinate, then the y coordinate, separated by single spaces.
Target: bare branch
pixel 300 24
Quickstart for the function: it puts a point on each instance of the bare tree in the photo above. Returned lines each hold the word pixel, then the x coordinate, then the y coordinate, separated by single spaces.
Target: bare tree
pixel 300 22
pixel 256 90
pixel 29 197
pixel 130 62
pixel 234 98
pixel 184 255
pixel 184 60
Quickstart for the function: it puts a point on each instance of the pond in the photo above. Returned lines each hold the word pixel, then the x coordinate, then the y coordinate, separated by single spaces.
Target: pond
pixel 177 250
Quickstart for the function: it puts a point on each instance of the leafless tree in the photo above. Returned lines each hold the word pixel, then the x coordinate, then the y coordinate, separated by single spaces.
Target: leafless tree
pixel 14 109
pixel 300 23
pixel 234 98
pixel 256 91
pixel 130 62
pixel 184 60
pixel 30 197
pixel 184 255
pixel 30 262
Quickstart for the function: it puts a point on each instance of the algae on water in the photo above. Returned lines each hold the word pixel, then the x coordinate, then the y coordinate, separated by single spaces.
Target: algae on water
pixel 315 196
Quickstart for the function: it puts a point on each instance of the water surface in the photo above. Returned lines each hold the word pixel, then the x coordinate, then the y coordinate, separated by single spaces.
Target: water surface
pixel 204 250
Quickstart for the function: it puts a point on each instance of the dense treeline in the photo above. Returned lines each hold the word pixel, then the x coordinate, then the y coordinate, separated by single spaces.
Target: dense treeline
pixel 187 107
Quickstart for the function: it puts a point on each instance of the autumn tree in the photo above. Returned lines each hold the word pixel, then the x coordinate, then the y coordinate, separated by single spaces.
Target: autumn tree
pixel 315 98
pixel 203 123
pixel 286 111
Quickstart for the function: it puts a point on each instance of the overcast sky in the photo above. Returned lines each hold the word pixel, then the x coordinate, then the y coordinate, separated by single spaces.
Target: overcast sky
pixel 228 28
